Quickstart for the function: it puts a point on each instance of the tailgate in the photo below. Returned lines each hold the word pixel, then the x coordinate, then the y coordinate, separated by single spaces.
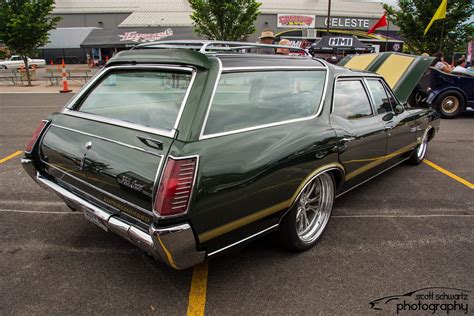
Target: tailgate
pixel 110 164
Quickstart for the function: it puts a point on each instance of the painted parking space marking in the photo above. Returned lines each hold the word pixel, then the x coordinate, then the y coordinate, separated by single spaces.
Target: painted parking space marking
pixel 38 203
pixel 449 174
pixel 37 212
pixel 16 153
pixel 197 294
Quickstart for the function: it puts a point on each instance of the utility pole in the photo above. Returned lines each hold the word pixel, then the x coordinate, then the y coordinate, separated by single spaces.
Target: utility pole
pixel 329 17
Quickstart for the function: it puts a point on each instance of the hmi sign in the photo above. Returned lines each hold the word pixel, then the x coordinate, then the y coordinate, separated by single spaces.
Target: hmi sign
pixel 340 41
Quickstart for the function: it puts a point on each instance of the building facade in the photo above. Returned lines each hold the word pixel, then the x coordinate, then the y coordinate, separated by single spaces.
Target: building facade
pixel 120 24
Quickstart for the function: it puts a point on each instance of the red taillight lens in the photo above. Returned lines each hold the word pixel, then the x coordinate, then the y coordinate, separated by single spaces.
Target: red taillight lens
pixel 35 136
pixel 176 186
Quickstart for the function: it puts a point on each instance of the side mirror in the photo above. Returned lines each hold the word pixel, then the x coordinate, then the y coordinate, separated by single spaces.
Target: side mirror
pixel 399 109
pixel 388 117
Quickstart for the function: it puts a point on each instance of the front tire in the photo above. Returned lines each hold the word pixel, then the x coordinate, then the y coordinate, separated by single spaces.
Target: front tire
pixel 305 223
pixel 450 104
pixel 419 153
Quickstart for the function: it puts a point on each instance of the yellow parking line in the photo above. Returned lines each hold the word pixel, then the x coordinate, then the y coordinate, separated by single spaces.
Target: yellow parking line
pixel 16 153
pixel 197 294
pixel 449 174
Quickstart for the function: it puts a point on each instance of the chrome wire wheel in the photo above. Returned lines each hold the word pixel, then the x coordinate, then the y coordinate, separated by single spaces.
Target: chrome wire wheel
pixel 421 151
pixel 314 208
pixel 450 104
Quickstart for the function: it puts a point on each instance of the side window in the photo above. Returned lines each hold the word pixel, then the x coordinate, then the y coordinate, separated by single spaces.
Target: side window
pixel 350 100
pixel 252 99
pixel 379 96
pixel 391 98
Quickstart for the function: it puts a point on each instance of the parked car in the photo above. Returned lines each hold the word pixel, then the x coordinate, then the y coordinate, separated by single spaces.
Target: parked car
pixel 188 154
pixel 450 94
pixel 15 62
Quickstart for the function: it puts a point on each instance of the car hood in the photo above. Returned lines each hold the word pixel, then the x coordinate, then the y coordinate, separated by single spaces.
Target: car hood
pixel 401 71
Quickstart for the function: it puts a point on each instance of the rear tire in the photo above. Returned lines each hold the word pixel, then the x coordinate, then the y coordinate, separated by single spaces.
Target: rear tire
pixel 305 223
pixel 450 104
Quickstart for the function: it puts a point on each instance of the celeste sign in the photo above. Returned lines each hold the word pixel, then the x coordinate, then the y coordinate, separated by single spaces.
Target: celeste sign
pixel 144 37
pixel 348 23
pixel 296 20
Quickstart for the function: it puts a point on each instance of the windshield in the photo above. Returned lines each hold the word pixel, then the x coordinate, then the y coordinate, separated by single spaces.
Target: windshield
pixel 149 97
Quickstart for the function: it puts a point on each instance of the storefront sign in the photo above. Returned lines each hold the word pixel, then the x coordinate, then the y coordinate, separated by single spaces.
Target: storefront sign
pixel 296 21
pixel 348 23
pixel 145 37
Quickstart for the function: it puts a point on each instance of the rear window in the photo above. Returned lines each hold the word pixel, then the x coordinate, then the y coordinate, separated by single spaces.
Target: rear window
pixel 150 98
pixel 251 99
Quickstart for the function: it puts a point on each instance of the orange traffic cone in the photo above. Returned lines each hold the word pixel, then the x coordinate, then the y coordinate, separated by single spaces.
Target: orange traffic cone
pixel 64 75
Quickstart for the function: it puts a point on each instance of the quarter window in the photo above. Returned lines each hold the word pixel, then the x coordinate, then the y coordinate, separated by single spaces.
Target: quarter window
pixel 150 98
pixel 251 99
pixel 350 100
pixel 379 96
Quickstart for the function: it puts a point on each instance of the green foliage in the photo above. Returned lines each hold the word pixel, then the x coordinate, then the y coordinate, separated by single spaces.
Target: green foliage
pixel 229 20
pixel 24 25
pixel 449 34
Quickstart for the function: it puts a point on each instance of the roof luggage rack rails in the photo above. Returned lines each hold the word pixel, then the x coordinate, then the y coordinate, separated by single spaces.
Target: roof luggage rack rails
pixel 215 46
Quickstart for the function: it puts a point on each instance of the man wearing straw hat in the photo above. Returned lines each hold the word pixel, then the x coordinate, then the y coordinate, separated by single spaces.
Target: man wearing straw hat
pixel 266 37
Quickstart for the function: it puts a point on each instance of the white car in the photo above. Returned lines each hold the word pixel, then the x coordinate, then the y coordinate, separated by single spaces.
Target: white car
pixel 15 62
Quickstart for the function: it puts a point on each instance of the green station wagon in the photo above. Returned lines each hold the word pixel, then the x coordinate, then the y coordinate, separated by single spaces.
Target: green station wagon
pixel 189 153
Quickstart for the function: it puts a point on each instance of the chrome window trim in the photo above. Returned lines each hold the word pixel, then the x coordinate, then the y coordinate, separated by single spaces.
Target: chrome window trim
pixel 107 140
pixel 99 189
pixel 238 69
pixel 242 69
pixel 69 108
pixel 353 78
pixel 155 213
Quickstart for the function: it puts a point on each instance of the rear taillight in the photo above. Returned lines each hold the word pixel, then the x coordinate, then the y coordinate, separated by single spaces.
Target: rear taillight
pixel 35 136
pixel 176 187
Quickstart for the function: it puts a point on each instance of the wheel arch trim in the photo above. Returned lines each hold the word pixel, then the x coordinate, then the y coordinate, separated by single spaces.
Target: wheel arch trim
pixel 282 206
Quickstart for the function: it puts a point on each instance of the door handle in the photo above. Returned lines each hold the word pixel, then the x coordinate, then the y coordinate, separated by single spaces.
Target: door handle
pixel 347 139
pixel 389 127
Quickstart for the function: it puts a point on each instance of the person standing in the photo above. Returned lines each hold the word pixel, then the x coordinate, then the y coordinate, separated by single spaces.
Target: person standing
pixel 266 37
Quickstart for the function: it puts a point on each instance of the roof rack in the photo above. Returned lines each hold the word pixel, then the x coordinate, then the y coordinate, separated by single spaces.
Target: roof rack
pixel 207 46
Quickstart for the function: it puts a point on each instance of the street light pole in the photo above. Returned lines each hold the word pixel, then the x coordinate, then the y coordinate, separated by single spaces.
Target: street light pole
pixel 329 17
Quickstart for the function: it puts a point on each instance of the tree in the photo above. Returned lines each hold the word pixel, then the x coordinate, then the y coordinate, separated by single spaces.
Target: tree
pixel 230 20
pixel 450 34
pixel 24 26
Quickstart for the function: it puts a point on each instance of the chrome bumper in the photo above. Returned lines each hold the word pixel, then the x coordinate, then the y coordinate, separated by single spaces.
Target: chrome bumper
pixel 174 245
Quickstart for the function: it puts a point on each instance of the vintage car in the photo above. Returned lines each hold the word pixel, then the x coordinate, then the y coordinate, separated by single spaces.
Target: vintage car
pixel 188 154
pixel 451 94
pixel 15 62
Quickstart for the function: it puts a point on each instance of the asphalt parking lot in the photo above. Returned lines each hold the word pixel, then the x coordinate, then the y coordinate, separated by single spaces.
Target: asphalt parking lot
pixel 408 229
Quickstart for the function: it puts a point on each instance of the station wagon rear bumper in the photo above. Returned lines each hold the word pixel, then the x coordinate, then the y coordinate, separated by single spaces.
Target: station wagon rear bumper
pixel 173 245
